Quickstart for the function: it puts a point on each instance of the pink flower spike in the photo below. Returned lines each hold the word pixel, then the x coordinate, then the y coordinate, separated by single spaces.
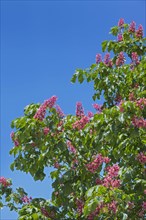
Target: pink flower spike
pixel 90 114
pixel 132 27
pixel 5 182
pixel 98 58
pixel 120 37
pixel 25 199
pixel 46 130
pixel 16 142
pixel 121 22
pixel 79 109
pixel 12 134
pixel 59 111
pixel 97 107
pixel 139 31
pixel 120 59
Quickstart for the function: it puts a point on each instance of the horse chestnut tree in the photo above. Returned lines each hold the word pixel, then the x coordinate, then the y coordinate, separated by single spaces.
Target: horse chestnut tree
pixel 98 158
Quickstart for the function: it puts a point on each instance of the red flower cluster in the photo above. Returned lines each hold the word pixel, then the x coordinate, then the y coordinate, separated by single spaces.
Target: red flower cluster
pixel 139 122
pixel 16 142
pixel 120 60
pixel 139 31
pixel 71 147
pixel 80 206
pixel 111 207
pixel 90 114
pixel 141 103
pixel 109 180
pixel 107 61
pixel 59 111
pixel 120 37
pixel 25 199
pixel 93 166
pixel 121 22
pixel 79 109
pixel 141 157
pixel 97 107
pixel 80 124
pixel 98 58
pixel 4 182
pixel 135 60
pixel 141 213
pixel 45 212
pixel 96 212
pixel 56 165
pixel 40 114
pixel 46 130
pixel 131 96
pixel 132 27
pixel 113 170
pixel 120 106
pixel 118 99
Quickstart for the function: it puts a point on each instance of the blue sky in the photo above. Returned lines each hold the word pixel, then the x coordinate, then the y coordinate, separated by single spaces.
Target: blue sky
pixel 42 43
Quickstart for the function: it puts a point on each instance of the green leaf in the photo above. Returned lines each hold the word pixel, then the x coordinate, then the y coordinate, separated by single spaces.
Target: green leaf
pixel 104 45
pixel 54 174
pixel 74 77
pixel 114 30
pixel 35 216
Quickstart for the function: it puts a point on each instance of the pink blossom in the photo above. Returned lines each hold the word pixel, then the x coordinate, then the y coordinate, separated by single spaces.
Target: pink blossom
pixel 40 114
pixel 45 212
pixel 131 96
pixel 93 166
pixel 118 98
pixel 16 142
pixel 120 37
pixel 139 31
pixel 98 58
pixel 46 130
pixel 132 27
pixel 107 61
pixel 98 181
pixel 56 165
pixel 59 111
pixel 5 182
pixel 113 206
pixel 96 212
pixel 141 213
pixel 139 122
pixel 80 124
pixel 80 206
pixel 120 105
pixel 12 135
pixel 141 157
pixel 113 170
pixel 71 147
pixel 79 109
pixel 120 59
pixel 108 182
pixel 134 57
pixel 121 22
pixel 141 103
pixel 25 199
pixel 90 114
pixel 145 191
pixel 97 107
pixel 106 159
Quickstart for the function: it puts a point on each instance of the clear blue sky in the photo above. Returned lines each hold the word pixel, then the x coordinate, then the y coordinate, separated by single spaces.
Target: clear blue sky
pixel 42 43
